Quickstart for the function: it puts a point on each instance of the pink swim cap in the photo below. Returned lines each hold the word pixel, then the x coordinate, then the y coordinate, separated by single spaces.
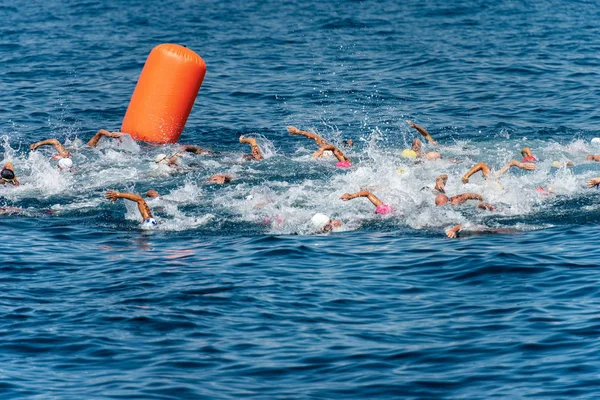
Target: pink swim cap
pixel 343 164
pixel 383 209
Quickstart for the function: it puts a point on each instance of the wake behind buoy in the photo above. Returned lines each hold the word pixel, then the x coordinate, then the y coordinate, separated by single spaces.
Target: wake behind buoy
pixel 164 94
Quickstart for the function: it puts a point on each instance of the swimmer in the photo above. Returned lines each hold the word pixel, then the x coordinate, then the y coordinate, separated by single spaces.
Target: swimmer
pixel 196 150
pixel 145 212
pixel 323 223
pixel 164 159
pixel 219 179
pixel 381 207
pixel 452 233
pixel 527 156
pixel 348 143
pixel 152 194
pixel 320 141
pixel 343 161
pixel 8 175
pixel 64 157
pixel 256 154
pixel 441 200
pixel 416 147
pixel 486 171
pixel 423 132
pixel 558 164
pixel 592 157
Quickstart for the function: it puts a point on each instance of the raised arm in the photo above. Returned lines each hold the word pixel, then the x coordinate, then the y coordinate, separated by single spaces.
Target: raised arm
pixel 440 183
pixel 515 163
pixel 145 212
pixel 256 154
pixel 60 149
pixel 480 166
pixel 295 131
pixel 363 193
pixel 423 132
pixel 336 152
pixel 103 132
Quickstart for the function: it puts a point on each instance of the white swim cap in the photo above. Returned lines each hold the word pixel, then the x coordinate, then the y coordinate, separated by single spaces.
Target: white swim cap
pixel 65 163
pixel 319 220
pixel 596 140
pixel 150 223
pixel 161 159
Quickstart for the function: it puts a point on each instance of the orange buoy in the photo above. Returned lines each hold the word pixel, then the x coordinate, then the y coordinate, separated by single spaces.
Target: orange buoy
pixel 164 95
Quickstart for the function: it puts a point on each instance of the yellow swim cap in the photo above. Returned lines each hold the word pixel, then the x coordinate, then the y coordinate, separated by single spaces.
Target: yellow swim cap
pixel 555 164
pixel 400 171
pixel 408 153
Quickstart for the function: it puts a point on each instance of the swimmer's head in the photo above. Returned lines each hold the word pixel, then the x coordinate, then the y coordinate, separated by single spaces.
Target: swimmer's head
pixel 408 153
pixel 152 193
pixel 65 164
pixel 433 155
pixel 348 143
pixel 149 223
pixel 319 221
pixel 343 164
pixel 441 200
pixel 7 175
pixel 590 157
pixel 161 159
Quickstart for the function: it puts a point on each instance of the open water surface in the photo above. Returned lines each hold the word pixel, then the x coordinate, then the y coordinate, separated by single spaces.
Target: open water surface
pixel 235 295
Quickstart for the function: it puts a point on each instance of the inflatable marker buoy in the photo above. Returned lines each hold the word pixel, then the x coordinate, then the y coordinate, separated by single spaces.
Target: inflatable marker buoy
pixel 164 94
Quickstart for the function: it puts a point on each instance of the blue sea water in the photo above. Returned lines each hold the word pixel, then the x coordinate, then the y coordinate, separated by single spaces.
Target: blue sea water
pixel 235 295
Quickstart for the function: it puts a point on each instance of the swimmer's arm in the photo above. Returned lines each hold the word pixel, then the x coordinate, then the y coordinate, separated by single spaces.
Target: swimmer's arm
pixel 336 152
pixel 363 193
pixel 113 195
pixel 518 164
pixel 486 206
pixel 195 149
pixel 96 138
pixel 461 198
pixel 256 154
pixel 60 149
pixel 295 131
pixel 594 182
pixel 453 232
pixel 423 132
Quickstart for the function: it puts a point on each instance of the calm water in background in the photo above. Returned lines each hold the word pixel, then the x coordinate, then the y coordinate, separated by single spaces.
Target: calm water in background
pixel 225 301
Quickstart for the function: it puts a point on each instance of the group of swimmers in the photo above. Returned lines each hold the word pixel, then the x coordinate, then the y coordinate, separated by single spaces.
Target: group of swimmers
pixel 319 221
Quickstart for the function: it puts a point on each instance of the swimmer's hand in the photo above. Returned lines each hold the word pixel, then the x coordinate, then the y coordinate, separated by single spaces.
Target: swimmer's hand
pixel 293 130
pixel 33 146
pixel 440 183
pixel 346 197
pixel 465 179
pixel 594 182
pixel 112 195
pixel 486 206
pixel 116 135
pixel 452 233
